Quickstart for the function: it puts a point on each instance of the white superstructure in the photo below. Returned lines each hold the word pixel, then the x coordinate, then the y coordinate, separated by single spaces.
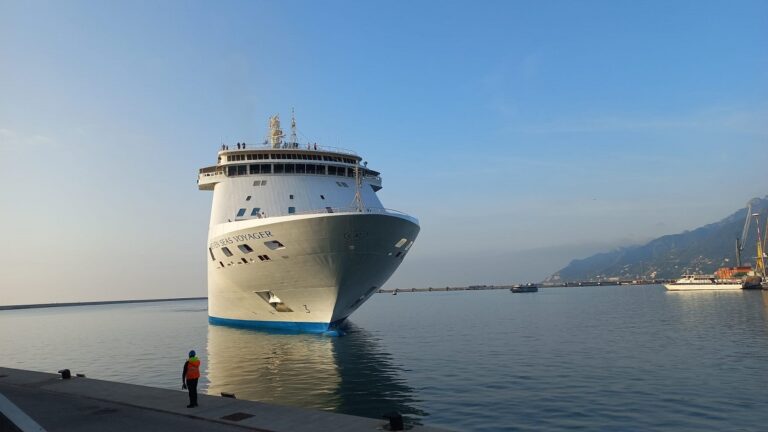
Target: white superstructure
pixel 298 238
pixel 703 282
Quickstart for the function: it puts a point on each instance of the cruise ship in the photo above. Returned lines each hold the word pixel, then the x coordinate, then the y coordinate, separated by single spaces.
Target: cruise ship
pixel 298 238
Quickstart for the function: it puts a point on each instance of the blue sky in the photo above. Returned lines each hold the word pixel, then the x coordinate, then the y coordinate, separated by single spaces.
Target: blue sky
pixel 522 134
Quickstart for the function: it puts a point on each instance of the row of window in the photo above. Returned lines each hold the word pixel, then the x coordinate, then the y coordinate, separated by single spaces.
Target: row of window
pixel 256 183
pixel 246 249
pixel 255 212
pixel 245 261
pixel 279 168
pixel 296 156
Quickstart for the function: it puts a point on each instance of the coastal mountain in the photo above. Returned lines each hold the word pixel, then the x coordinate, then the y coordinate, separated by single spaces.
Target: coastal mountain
pixel 702 250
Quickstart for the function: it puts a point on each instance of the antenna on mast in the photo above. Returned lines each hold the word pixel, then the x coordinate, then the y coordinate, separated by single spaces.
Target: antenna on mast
pixel 294 140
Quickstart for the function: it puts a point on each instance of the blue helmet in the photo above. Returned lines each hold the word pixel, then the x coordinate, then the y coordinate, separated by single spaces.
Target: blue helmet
pixel 192 353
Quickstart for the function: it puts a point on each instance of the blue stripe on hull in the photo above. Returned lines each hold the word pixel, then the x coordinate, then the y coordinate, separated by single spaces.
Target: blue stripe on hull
pixel 288 326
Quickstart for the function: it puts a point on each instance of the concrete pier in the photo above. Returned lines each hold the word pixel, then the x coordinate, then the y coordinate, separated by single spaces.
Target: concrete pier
pixel 47 401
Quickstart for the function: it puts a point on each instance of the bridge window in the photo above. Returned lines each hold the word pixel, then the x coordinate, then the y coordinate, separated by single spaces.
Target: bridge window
pixel 241 169
pixel 310 169
pixel 278 168
pixel 253 168
pixel 266 169
pixel 331 170
pixel 300 168
pixel 290 168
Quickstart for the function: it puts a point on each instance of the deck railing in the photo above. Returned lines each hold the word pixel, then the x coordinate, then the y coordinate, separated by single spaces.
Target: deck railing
pixel 291 146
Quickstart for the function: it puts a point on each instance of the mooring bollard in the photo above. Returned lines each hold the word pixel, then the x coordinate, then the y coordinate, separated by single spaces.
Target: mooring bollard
pixel 395 421
pixel 65 374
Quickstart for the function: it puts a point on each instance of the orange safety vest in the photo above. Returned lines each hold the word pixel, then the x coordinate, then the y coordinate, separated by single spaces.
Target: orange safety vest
pixel 193 368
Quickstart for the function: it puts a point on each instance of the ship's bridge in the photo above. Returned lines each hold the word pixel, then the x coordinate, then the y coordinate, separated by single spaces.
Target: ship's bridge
pixel 288 159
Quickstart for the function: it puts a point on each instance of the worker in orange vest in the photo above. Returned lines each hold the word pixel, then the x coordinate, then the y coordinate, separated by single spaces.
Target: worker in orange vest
pixel 189 377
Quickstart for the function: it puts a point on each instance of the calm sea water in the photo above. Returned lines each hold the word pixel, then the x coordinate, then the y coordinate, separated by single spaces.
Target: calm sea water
pixel 597 358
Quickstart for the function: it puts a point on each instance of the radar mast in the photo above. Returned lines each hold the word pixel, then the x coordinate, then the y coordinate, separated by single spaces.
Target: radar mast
pixel 275 133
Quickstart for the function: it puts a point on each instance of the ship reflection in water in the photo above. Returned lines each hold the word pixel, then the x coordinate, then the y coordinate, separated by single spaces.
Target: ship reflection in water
pixel 348 374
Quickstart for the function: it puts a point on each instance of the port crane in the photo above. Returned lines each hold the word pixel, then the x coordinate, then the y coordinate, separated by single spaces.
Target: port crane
pixel 760 259
pixel 744 232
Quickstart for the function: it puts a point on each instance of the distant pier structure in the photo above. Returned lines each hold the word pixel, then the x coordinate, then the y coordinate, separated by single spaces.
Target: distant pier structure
pixel 540 285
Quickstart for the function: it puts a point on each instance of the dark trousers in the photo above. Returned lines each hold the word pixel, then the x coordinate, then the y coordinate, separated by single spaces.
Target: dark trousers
pixel 192 387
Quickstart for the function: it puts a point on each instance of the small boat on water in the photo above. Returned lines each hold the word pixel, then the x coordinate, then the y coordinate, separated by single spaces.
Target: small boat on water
pixel 527 288
pixel 703 282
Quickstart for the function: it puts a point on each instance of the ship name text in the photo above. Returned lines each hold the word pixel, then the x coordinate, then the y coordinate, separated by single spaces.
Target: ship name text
pixel 240 238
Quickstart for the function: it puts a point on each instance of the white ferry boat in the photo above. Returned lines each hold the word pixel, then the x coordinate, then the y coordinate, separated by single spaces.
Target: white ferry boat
pixel 703 282
pixel 298 239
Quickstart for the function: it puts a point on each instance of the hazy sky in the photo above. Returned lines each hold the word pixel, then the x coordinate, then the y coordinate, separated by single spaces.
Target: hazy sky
pixel 521 134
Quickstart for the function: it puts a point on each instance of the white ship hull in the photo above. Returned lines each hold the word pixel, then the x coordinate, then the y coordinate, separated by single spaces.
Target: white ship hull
pixel 328 265
pixel 700 287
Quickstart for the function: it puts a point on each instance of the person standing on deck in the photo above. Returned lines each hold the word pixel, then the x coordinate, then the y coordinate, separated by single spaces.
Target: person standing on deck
pixel 189 377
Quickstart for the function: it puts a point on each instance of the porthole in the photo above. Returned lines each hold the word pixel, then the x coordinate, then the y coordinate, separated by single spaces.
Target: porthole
pixel 274 245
